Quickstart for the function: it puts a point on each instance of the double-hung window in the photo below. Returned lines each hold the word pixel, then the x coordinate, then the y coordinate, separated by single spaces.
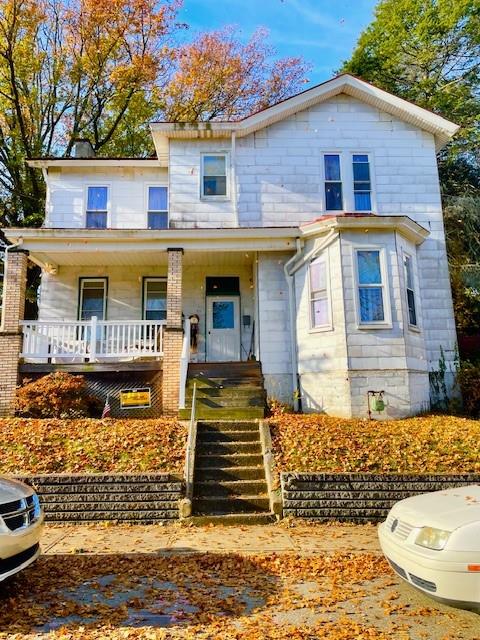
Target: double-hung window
pixel 214 175
pixel 319 303
pixel 333 182
pixel 410 289
pixel 372 296
pixel 362 185
pixel 155 299
pixel 157 207
pixel 97 207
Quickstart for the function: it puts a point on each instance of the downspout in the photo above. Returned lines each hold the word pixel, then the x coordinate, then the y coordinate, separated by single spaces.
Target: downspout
pixel 5 272
pixel 293 324
pixel 233 180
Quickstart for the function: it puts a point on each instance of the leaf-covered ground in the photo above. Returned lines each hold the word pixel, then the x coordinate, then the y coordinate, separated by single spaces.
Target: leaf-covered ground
pixel 429 444
pixel 91 446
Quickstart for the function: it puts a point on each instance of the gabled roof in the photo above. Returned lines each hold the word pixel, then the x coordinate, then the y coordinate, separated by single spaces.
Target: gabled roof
pixel 441 128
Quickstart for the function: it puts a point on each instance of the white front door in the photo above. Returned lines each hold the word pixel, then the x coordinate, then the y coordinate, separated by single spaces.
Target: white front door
pixel 223 328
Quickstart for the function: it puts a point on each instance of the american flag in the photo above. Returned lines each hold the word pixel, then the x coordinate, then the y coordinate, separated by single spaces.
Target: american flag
pixel 106 409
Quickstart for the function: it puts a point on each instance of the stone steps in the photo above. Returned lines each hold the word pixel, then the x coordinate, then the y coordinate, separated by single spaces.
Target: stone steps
pixel 229 477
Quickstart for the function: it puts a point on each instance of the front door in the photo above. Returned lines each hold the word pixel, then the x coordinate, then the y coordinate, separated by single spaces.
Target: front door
pixel 223 328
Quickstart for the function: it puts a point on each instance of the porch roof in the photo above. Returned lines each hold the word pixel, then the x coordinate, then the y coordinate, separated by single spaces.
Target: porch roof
pixel 50 248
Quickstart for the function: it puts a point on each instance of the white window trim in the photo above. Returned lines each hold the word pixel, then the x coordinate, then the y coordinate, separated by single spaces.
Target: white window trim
pixel 342 181
pixel 373 190
pixel 103 279
pixel 109 204
pixel 412 327
pixel 325 254
pixel 226 197
pixel 386 323
pixel 147 186
pixel 146 280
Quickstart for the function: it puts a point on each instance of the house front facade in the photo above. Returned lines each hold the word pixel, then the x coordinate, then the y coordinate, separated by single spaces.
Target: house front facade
pixel 308 237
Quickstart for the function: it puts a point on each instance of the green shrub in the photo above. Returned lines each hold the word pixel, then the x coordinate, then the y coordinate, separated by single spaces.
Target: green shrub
pixel 56 395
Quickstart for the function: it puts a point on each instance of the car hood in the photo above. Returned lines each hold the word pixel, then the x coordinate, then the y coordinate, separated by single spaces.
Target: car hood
pixel 446 510
pixel 11 490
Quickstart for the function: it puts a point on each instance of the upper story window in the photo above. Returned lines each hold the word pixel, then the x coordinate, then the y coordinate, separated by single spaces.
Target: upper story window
pixel 97 207
pixel 371 283
pixel 214 175
pixel 155 299
pixel 333 182
pixel 362 186
pixel 157 207
pixel 319 293
pixel 410 288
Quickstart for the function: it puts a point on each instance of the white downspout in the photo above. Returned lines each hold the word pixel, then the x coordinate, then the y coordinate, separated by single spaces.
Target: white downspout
pixel 5 272
pixel 292 309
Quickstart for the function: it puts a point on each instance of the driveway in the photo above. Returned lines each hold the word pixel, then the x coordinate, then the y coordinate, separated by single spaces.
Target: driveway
pixel 284 581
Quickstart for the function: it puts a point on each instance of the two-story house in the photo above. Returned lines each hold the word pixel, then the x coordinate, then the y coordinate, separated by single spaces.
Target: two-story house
pixel 307 237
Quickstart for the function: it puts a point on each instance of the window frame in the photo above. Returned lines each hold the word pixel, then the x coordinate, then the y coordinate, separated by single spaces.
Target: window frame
pixel 328 326
pixel 145 281
pixel 85 204
pixel 370 168
pixel 341 181
pixel 406 255
pixel 81 283
pixel 218 198
pixel 386 323
pixel 148 185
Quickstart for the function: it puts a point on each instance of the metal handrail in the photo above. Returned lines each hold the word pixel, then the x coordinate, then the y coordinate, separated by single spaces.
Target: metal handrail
pixel 190 453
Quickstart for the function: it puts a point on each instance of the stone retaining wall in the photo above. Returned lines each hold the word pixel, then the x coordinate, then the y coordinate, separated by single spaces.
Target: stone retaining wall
pixel 357 497
pixel 143 498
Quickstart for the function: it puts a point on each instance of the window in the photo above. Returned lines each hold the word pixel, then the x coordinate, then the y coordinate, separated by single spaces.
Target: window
pixel 155 299
pixel 97 207
pixel 214 175
pixel 93 298
pixel 410 288
pixel 333 183
pixel 371 293
pixel 362 186
pixel 158 207
pixel 319 304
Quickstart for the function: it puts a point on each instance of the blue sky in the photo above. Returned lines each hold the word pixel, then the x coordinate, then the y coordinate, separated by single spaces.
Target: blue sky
pixel 324 32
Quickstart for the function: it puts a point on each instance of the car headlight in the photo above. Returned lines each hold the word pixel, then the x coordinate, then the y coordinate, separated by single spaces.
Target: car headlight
pixel 432 538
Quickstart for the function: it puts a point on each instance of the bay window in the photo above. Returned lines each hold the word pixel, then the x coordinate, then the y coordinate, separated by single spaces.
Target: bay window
pixel 319 293
pixel 410 290
pixel 372 293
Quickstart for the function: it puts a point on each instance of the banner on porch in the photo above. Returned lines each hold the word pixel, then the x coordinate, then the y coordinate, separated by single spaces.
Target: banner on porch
pixel 136 398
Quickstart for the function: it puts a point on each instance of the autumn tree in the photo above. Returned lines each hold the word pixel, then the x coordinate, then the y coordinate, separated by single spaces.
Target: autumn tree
pixel 428 51
pixel 217 77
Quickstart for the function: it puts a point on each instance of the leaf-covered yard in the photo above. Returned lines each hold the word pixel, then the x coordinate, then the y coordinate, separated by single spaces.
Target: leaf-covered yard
pixel 92 446
pixel 429 444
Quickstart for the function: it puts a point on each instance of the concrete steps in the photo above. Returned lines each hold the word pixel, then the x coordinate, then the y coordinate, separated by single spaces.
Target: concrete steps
pixel 229 479
pixel 225 390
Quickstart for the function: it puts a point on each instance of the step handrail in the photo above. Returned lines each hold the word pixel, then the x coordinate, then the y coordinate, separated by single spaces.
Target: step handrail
pixel 190 452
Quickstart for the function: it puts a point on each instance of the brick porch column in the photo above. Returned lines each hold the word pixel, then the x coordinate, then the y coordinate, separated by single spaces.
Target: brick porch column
pixel 10 331
pixel 173 338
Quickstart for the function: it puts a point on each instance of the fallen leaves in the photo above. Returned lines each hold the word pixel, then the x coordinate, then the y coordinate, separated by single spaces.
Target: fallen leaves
pixel 428 444
pixel 86 445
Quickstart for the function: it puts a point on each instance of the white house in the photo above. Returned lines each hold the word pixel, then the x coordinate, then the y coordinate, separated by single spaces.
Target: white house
pixel 308 236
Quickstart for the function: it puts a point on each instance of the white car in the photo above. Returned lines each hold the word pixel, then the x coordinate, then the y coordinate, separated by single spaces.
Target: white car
pixel 21 522
pixel 433 542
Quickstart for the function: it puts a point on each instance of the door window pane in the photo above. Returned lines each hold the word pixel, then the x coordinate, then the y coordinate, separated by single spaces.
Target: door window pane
pixel 223 314
pixel 92 299
pixel 155 299
pixel 214 175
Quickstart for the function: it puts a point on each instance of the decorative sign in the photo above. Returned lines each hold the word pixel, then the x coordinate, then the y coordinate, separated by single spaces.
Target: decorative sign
pixel 136 398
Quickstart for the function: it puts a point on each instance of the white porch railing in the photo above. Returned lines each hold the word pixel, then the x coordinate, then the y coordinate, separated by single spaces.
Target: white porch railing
pixel 92 340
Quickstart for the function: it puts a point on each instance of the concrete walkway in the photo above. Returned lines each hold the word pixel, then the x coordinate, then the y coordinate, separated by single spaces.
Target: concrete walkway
pixel 179 538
